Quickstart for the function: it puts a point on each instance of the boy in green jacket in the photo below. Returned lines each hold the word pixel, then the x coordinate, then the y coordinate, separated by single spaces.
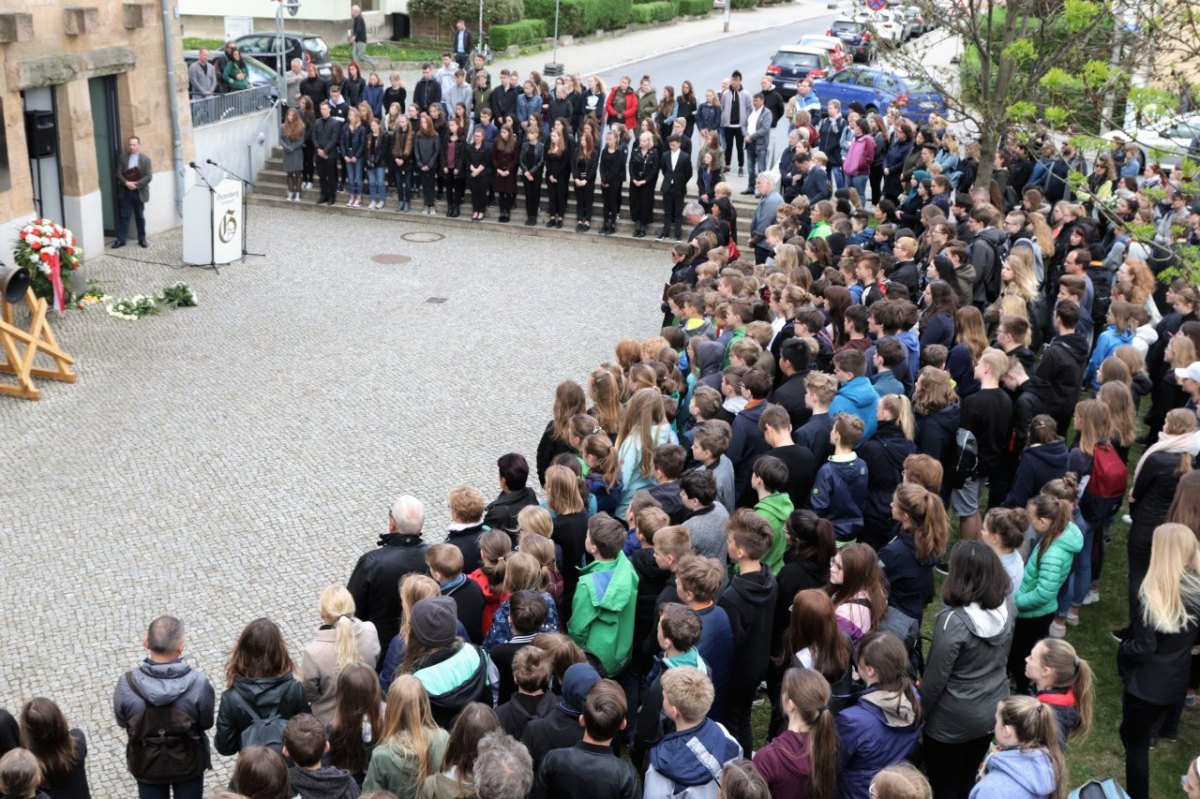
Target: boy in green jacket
pixel 605 600
pixel 769 479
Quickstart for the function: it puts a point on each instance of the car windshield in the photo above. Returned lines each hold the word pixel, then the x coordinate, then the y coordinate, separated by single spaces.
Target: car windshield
pixel 316 47
pixel 918 86
pixel 803 60
pixel 846 27
pixel 259 72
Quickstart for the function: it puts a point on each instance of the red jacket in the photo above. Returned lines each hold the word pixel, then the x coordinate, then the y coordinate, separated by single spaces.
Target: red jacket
pixel 491 601
pixel 629 118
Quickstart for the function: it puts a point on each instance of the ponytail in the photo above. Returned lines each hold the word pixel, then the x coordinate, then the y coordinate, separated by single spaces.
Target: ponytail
pixel 888 656
pixel 494 546
pixel 810 694
pixel 600 447
pixel 1068 670
pixel 927 513
pixel 337 610
pixel 1056 509
pixel 347 652
pixel 1036 727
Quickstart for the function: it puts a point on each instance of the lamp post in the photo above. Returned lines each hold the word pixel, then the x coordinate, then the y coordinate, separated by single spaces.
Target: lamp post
pixel 554 69
pixel 292 7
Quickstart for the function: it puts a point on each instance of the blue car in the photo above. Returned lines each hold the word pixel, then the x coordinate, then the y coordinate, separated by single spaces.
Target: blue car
pixel 876 90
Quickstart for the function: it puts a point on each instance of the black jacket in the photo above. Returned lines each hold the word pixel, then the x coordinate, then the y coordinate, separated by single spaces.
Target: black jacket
pixel 1155 666
pixel 376 578
pixel 264 695
pixel 988 414
pixel 905 273
pixel 504 102
pixel 468 598
pixel 884 454
pixel 935 434
pixel 467 540
pixel 502 656
pixel 1151 497
pixel 790 395
pixel 516 713
pixel 652 579
pixel 612 167
pixel 533 161
pixel 814 434
pixel 749 601
pixel 644 166
pixel 501 514
pixel 1038 466
pixel 796 576
pixel 570 533
pixel 910 580
pixel 585 771
pixel 472 687
pixel 815 185
pixel 1062 369
pixel 802 473
pixel 426 93
pixel 675 181
pixel 459 164
pixel 556 730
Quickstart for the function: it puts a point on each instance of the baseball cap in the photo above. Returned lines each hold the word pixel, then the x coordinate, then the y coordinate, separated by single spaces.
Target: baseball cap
pixel 1190 372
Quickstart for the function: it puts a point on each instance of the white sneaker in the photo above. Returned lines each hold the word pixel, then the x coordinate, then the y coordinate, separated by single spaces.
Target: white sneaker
pixel 1092 597
pixel 1058 629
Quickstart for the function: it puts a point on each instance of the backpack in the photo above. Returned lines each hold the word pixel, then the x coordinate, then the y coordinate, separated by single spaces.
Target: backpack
pixel 1110 475
pixel 164 743
pixel 266 732
pixel 1100 789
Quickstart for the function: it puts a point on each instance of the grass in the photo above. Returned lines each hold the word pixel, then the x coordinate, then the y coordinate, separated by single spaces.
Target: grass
pixel 410 50
pixel 1101 754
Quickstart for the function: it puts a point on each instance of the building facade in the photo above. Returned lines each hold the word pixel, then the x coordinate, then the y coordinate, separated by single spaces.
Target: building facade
pixel 75 82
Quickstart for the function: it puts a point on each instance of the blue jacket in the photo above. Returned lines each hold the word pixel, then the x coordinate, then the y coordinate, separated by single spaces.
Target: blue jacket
pixel 1016 774
pixel 501 630
pixel 716 647
pixel 1038 466
pixel 938 329
pixel 910 581
pixel 528 107
pixel 685 760
pixel 745 445
pixel 839 495
pixel 913 345
pixel 857 397
pixel 875 732
pixel 1106 345
pixel 886 383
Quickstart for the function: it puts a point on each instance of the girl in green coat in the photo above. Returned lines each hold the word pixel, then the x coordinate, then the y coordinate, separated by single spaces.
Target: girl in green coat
pixel 1048 567
pixel 412 745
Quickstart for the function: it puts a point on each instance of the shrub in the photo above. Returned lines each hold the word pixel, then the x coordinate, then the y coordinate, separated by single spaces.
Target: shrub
pixel 495 12
pixel 523 32
pixel 739 4
pixel 581 17
pixel 691 8
pixel 657 11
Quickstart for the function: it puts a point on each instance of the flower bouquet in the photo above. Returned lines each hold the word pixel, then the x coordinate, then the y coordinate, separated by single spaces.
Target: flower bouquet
pixel 48 251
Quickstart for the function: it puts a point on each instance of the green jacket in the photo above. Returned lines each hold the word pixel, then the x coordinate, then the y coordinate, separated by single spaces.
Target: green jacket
pixel 602 612
pixel 394 768
pixel 775 508
pixel 1038 594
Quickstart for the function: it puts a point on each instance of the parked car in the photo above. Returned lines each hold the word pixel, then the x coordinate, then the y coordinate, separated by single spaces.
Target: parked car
pixel 259 74
pixel 795 62
pixel 856 38
pixel 1166 140
pixel 876 90
pixel 912 20
pixel 831 45
pixel 306 47
pixel 887 26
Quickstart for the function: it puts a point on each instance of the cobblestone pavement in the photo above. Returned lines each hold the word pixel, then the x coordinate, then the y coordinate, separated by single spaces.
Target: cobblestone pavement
pixel 228 461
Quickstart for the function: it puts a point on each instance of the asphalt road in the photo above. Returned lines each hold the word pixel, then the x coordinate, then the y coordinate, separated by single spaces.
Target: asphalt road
pixel 706 65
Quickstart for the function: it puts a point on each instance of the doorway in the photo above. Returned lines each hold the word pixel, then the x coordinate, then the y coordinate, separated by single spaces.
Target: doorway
pixel 41 138
pixel 106 128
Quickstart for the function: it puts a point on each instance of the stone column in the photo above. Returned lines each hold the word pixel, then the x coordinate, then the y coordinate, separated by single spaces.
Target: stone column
pixel 77 158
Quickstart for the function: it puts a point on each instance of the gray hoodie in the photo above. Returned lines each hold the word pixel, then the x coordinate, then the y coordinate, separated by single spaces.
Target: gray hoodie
pixel 326 782
pixel 965 672
pixel 1016 774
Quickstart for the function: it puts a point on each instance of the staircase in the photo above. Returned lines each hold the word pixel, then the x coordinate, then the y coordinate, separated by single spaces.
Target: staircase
pixel 271 190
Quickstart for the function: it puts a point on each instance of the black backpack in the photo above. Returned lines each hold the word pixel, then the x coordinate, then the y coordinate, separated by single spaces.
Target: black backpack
pixel 266 732
pixel 165 744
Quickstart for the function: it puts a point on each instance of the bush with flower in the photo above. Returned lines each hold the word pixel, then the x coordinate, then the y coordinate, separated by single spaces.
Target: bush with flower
pixel 49 252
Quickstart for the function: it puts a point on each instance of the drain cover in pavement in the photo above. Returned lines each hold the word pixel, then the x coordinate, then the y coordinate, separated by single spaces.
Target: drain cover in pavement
pixel 390 258
pixel 422 237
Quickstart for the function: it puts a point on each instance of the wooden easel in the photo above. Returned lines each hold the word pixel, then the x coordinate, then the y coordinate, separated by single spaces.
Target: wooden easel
pixel 39 338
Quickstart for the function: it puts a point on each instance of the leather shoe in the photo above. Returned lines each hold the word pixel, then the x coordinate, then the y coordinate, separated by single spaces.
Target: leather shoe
pixel 143 243
pixel 117 244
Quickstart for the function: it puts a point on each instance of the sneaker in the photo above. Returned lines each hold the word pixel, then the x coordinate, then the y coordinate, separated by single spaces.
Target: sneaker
pixel 1057 629
pixel 1190 699
pixel 1127 519
pixel 1092 597
pixel 1073 617
pixel 1120 635
pixel 942 567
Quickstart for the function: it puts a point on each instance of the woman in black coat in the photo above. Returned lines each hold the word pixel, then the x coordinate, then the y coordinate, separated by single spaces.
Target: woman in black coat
pixel 884 455
pixel 584 164
pixel 558 176
pixel 612 179
pixel 353 87
pixel 479 173
pixel 935 406
pixel 893 162
pixel 643 174
pixel 454 166
pixel 530 166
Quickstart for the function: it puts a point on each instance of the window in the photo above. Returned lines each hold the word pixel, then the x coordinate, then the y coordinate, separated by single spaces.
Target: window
pixel 846 76
pixel 5 175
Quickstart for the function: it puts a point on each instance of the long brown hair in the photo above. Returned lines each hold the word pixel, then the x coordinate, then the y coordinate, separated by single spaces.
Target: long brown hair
pixel 1068 670
pixel 887 655
pixel 860 572
pixel 568 401
pixel 606 399
pixel 969 330
pixel 358 701
pixel 293 125
pixel 643 416
pixel 1185 507
pixel 925 518
pixel 409 721
pixel 260 651
pixel 813 624
pixel 600 447
pixel 473 722
pixel 45 733
pixel 809 693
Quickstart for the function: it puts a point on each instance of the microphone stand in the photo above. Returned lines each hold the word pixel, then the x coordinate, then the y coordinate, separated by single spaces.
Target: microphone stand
pixel 245 209
pixel 212 231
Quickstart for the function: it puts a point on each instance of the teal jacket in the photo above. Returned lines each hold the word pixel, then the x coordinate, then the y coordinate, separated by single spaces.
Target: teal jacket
pixel 603 609
pixel 1038 594
pixel 775 508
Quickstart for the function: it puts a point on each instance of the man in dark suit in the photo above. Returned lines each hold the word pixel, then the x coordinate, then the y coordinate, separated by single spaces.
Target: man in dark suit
pixel 694 214
pixel 815 185
pixel 676 172
pixel 134 176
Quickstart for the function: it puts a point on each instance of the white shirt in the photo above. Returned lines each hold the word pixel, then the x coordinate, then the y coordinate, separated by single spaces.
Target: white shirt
pixel 675 158
pixel 133 161
pixel 752 120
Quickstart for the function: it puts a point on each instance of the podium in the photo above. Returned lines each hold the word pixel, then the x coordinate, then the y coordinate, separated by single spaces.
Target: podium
pixel 213 223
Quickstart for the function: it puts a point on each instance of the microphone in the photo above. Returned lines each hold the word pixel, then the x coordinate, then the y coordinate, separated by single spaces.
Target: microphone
pixel 192 164
pixel 210 161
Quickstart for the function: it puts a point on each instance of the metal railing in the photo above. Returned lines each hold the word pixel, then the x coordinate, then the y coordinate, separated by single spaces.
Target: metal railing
pixel 208 110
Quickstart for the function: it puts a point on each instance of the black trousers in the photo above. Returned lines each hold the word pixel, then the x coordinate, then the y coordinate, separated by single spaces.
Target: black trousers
pixel 876 181
pixel 479 193
pixel 310 154
pixel 131 206
pixel 455 186
pixel 1139 722
pixel 951 768
pixel 585 199
pixel 557 192
pixel 1026 634
pixel 507 201
pixel 734 140
pixel 672 205
pixel 611 198
pixel 427 186
pixel 533 196
pixel 641 203
pixel 327 175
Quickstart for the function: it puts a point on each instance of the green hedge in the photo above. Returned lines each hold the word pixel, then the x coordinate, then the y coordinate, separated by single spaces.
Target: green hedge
pixel 581 17
pixel 691 8
pixel 657 11
pixel 495 12
pixel 739 4
pixel 523 32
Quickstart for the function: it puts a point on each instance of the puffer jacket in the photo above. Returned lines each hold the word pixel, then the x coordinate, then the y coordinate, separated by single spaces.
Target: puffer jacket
pixel 454 678
pixel 965 671
pixel 262 695
pixel 1044 576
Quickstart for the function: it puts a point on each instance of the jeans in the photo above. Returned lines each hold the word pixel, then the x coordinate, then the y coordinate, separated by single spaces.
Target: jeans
pixel 1139 720
pixel 354 174
pixel 378 183
pixel 1080 581
pixel 191 789
pixel 837 178
pixel 756 158
pixel 859 184
pixel 360 55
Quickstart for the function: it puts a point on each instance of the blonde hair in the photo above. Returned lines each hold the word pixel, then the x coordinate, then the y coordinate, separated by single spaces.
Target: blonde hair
pixel 1036 727
pixel 1119 401
pixel 337 608
pixel 1068 670
pixel 903 781
pixel 643 416
pixel 535 519
pixel 1024 282
pixel 525 572
pixel 689 691
pixel 934 391
pixel 900 409
pixel 466 503
pixel 1171 588
pixel 1092 422
pixel 413 588
pixel 562 486
pixel 409 722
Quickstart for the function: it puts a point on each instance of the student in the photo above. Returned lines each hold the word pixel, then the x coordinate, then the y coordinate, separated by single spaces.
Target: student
pixel 889 353
pixel 653 578
pixel 820 390
pixel 706 524
pixel 495 547
pixel 882 726
pixel 456 778
pixel 697 580
pixel 445 563
pixel 527 612
pixel 855 394
pixel 856 586
pixel 987 413
pixel 747 442
pixel 1043 459
pixel 909 558
pixel 569 527
pixel 709 445
pixel 749 602
pixel 840 491
pixel 684 761
pixel 884 456
pixel 801 464
pixel 679 629
pixel 412 745
pixel 669 461
pixel 357 720
pixel 524 572
pixel 561 728
pixel 1004 533
pixel 590 769
pixel 773 506
pixel 1028 761
pixel 304 743
pixel 466 524
pixel 21 775
pixel 1064 681
pixel 531 671
pixel 644 428
pixel 802 760
pixel 604 472
pixel 603 610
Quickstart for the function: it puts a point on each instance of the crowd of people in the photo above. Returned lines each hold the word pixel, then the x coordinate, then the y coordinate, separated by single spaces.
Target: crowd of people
pixel 760 495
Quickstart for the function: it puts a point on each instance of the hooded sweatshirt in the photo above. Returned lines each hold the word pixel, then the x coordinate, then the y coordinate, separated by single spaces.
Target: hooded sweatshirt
pixel 840 494
pixel 1106 345
pixel 775 508
pixel 326 782
pixel 857 397
pixel 965 671
pixel 749 602
pixel 685 765
pixel 1016 774
pixel 785 765
pixel 708 359
pixel 561 726
pixel 175 683
pixel 1062 369
pixel 1039 465
pixel 878 731
pixel 261 695
pixel 602 614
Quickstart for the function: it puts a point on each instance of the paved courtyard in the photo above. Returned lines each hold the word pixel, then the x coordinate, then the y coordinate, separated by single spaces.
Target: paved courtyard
pixel 228 461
